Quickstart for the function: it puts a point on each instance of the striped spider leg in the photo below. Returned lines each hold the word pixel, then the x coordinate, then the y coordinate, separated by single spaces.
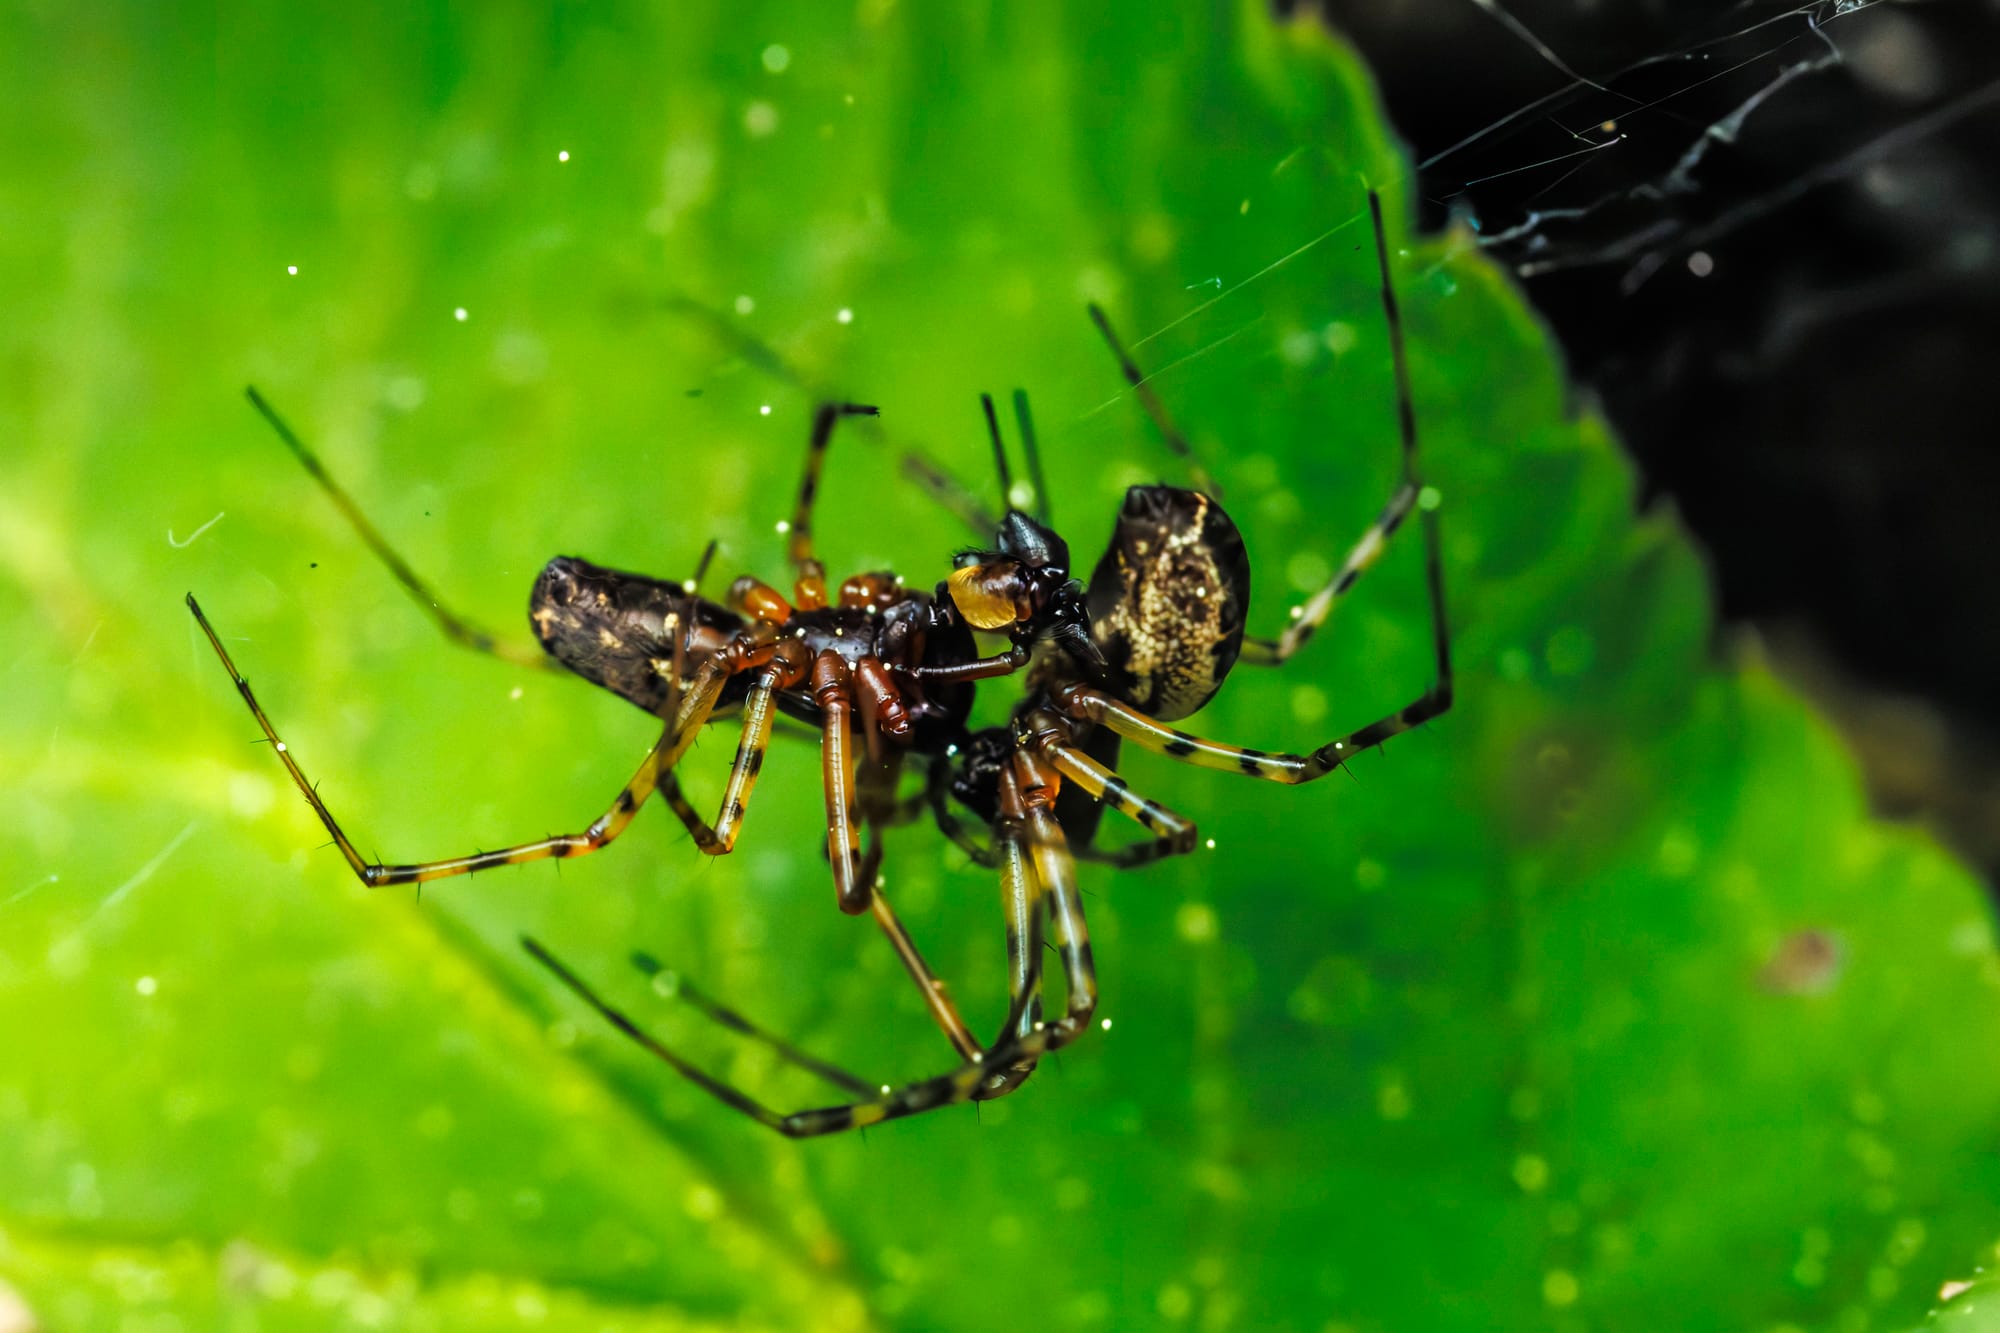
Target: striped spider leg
pixel 455 627
pixel 1167 663
pixel 463 632
pixel 694 711
pixel 1039 891
pixel 1409 494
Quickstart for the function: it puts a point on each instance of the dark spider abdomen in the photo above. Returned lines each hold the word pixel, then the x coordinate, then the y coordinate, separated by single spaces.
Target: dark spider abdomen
pixel 619 630
pixel 1167 601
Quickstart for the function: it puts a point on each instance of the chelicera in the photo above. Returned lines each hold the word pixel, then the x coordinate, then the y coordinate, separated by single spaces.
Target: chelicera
pixel 886 675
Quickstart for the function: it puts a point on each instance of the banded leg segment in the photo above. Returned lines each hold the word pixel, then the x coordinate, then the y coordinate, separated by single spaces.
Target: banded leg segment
pixel 1021 902
pixel 811 590
pixel 1410 493
pixel 758 710
pixel 1142 388
pixel 455 627
pixel 1089 705
pixel 1055 873
pixel 1274 652
pixel 843 825
pixel 1173 833
pixel 666 752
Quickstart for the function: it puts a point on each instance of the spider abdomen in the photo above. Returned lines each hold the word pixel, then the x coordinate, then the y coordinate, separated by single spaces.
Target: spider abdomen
pixel 630 633
pixel 1167 601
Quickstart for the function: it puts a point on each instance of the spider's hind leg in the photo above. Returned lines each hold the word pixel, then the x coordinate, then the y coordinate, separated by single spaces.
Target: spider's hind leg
pixel 455 627
pixel 678 987
pixel 810 591
pixel 962 1084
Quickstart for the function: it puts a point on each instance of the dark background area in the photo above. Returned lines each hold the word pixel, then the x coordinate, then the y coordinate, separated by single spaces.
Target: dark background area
pixel 1766 238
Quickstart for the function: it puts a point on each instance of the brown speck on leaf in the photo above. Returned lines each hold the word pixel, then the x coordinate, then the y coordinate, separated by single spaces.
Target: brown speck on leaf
pixel 1806 962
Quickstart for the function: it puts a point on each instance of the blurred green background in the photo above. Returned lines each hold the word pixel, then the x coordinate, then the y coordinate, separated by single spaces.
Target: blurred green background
pixel 1600 1004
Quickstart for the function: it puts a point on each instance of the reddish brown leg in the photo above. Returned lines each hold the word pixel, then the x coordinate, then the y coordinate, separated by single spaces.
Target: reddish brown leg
pixel 830 681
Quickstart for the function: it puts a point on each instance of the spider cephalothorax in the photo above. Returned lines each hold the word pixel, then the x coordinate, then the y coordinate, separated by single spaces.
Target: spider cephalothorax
pixel 1023 588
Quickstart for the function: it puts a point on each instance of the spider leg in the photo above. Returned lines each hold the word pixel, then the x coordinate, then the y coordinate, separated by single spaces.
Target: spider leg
pixel 1021 901
pixel 1173 833
pixel 1094 706
pixel 830 683
pixel 960 1085
pixel 875 796
pixel 713 1086
pixel 935 994
pixel 985 1073
pixel 937 791
pixel 1259 651
pixel 758 709
pixel 937 998
pixel 677 802
pixel 1089 705
pixel 680 988
pixel 1271 652
pixel 666 752
pixel 1055 871
pixel 869 794
pixel 455 627
pixel 811 590
pixel 1142 388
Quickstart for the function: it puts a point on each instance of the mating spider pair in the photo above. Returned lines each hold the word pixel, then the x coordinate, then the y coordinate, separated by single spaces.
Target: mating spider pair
pixel 887 675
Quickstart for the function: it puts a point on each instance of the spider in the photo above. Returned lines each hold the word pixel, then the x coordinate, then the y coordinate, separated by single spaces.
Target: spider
pixel 886 673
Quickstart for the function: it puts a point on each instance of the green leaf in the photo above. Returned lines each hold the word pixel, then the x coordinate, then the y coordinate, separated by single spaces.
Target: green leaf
pixel 1599 1003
